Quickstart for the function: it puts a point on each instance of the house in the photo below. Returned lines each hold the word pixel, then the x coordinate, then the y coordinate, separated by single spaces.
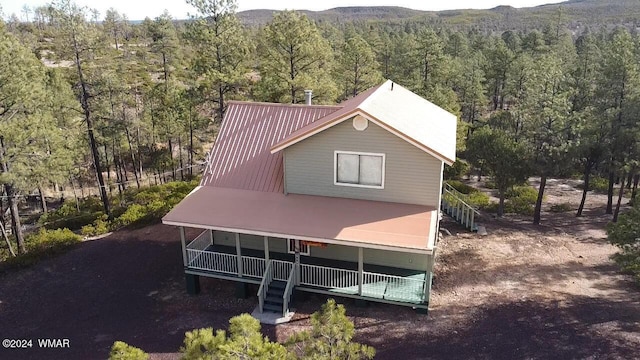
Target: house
pixel 340 200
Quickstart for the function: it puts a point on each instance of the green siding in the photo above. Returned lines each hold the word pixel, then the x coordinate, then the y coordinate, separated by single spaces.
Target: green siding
pixel 411 175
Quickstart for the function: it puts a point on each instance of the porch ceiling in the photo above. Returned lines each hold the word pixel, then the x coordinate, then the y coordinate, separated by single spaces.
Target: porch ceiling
pixel 316 218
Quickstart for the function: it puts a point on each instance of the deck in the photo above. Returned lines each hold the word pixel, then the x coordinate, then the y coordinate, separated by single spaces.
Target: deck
pixel 329 276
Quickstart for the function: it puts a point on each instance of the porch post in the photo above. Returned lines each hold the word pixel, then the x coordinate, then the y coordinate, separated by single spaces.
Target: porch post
pixel 360 270
pixel 239 254
pixel 296 264
pixel 211 236
pixel 428 277
pixel 184 246
pixel 266 249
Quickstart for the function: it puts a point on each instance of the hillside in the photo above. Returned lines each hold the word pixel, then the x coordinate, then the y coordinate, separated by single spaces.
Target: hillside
pixel 578 13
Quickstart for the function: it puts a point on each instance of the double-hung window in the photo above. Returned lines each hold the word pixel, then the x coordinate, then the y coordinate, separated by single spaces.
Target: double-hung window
pixel 359 169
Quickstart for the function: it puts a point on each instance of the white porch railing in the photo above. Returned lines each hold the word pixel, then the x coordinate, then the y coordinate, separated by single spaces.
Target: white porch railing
pixel 327 277
pixel 374 285
pixel 253 266
pixel 212 261
pixel 281 269
pixel 264 285
pixel 288 290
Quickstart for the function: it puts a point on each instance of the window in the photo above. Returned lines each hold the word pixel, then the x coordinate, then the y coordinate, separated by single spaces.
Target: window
pixel 359 169
pixel 304 248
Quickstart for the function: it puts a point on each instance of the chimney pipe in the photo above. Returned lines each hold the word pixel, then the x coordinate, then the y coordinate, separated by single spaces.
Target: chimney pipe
pixel 307 96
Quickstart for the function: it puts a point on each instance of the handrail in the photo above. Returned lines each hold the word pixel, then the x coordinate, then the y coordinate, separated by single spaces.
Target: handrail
pixel 457 198
pixel 267 278
pixel 288 291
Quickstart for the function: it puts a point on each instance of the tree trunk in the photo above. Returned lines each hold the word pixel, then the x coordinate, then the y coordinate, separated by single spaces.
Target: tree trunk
pixel 180 163
pixel 75 195
pixel 538 208
pixel 173 168
pixel 634 189
pixel 190 145
pixel 6 238
pixel 13 205
pixel 15 216
pixel 133 157
pixel 43 200
pixel 612 180
pixel 615 214
pixel 107 167
pixel 501 203
pixel 585 190
pixel 84 101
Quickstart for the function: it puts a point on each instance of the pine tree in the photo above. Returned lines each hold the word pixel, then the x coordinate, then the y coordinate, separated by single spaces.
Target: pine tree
pixel 294 57
pixel 220 64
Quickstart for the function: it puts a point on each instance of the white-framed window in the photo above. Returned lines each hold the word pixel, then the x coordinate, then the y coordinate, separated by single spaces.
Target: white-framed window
pixel 359 169
pixel 304 248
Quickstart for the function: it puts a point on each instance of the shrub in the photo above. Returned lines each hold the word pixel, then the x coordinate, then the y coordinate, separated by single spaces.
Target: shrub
pixel 68 216
pixel 523 193
pixel 134 214
pixel 560 208
pixel 462 187
pixel 625 234
pixel 519 205
pixel 123 351
pixel 459 169
pixel 43 244
pixel 99 227
pixel 479 199
pixel 597 184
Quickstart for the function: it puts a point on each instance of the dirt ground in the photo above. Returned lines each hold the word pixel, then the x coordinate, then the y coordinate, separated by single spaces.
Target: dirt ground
pixel 521 292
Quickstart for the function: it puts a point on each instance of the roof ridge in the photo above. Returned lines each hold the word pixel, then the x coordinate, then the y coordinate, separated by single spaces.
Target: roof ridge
pixel 372 95
pixel 336 106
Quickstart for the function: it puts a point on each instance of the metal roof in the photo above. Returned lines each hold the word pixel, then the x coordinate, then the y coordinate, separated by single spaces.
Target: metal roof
pixel 399 111
pixel 241 157
pixel 372 224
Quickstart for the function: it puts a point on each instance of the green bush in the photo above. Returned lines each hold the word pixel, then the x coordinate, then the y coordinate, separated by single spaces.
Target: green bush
pixel 597 184
pixel 519 205
pixel 99 227
pixel 479 199
pixel 459 169
pixel 561 208
pixel 40 245
pixel 123 351
pixel 67 215
pixel 625 234
pixel 523 193
pixel 462 187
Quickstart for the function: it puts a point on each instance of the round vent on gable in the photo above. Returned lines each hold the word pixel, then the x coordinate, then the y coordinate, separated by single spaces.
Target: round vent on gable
pixel 360 123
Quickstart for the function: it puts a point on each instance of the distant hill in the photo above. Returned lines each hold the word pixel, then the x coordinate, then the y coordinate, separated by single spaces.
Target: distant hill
pixel 579 14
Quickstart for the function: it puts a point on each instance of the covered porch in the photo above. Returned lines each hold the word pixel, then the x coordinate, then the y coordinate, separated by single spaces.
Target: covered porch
pixel 358 279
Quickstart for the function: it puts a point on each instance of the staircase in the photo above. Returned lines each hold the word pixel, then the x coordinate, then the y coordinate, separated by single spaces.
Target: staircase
pixel 456 205
pixel 275 293
pixel 273 302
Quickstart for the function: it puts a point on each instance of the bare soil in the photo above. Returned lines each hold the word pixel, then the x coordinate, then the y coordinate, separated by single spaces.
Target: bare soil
pixel 521 292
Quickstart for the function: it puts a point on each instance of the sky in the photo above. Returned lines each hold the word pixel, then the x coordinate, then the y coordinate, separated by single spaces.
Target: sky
pixel 139 9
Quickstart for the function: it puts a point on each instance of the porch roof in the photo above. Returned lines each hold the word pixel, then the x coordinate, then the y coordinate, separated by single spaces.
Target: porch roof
pixel 373 224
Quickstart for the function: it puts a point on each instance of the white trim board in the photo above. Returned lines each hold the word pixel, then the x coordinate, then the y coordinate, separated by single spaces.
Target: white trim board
pixel 427 251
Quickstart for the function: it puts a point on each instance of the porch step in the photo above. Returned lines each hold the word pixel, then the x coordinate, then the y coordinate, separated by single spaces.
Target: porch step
pixel 272 308
pixel 273 299
pixel 278 284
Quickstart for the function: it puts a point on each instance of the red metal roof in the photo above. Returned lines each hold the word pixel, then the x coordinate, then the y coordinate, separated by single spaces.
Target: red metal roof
pixel 241 157
pixel 377 224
